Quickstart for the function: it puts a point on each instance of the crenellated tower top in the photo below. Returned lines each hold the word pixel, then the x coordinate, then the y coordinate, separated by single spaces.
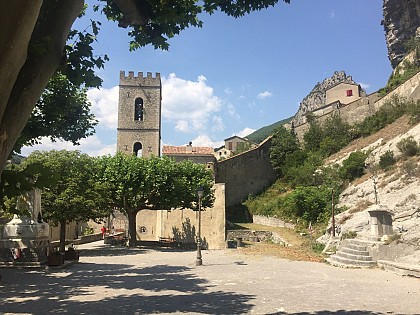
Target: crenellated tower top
pixel 140 79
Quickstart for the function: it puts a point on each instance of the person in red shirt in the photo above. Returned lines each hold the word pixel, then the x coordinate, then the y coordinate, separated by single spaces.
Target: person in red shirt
pixel 103 230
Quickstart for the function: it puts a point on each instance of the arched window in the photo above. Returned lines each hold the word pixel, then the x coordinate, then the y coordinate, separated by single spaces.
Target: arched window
pixel 138 149
pixel 138 109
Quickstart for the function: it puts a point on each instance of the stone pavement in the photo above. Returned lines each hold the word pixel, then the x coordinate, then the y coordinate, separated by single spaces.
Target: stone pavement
pixel 119 280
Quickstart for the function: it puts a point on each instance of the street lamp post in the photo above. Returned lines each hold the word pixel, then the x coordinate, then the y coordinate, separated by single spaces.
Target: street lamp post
pixel 200 193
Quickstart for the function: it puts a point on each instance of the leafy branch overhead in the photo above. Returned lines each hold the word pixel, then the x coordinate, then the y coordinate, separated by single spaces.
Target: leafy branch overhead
pixel 44 45
pixel 154 22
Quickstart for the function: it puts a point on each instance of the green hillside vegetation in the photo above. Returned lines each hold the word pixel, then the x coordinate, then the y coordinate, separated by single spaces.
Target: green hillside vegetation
pixel 261 134
pixel 306 186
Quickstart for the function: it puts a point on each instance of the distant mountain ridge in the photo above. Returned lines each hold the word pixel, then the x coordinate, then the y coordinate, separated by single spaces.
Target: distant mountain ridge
pixel 262 133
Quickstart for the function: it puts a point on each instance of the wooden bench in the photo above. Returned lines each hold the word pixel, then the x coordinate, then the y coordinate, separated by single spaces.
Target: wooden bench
pixel 167 241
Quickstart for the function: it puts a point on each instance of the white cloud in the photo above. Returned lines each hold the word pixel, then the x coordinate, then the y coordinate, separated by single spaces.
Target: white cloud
pixel 232 111
pixel 332 14
pixel 105 106
pixel 91 146
pixel 228 91
pixel 364 86
pixel 245 132
pixel 205 141
pixel 189 104
pixel 264 94
pixel 217 124
pixel 182 125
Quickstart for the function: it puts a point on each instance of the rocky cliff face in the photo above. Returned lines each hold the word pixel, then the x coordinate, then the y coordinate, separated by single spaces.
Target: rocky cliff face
pixel 316 98
pixel 401 19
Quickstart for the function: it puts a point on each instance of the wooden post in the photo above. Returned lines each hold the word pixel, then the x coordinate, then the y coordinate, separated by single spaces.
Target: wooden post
pixel 332 213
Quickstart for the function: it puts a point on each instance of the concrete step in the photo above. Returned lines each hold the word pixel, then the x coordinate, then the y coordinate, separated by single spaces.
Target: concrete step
pixel 355 246
pixel 350 262
pixel 353 256
pixel 403 269
pixel 354 251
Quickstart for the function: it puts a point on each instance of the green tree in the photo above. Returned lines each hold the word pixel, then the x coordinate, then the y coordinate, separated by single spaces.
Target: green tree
pixel 283 143
pixel 63 112
pixel 154 184
pixel 74 192
pixel 336 135
pixel 313 137
pixel 34 45
pixel 242 147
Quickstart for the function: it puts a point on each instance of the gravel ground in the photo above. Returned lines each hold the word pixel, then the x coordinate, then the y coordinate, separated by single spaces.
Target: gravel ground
pixel 117 280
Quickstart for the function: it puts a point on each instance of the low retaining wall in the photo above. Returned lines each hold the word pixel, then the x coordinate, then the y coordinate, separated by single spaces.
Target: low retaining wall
pixel 270 221
pixel 255 236
pixel 82 240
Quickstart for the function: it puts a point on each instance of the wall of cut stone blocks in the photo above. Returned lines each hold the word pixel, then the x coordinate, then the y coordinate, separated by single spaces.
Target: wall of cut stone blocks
pixel 247 173
pixel 183 224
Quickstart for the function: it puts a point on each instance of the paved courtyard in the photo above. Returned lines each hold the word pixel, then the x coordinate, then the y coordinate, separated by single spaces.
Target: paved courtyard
pixel 117 280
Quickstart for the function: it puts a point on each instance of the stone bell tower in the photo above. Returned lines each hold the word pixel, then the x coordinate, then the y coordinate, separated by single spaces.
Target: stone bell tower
pixel 139 114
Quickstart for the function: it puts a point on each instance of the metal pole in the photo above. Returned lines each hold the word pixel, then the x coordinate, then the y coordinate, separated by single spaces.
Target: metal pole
pixel 199 260
pixel 332 212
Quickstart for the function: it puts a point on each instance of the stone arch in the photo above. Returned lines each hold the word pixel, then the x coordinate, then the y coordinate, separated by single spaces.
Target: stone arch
pixel 138 149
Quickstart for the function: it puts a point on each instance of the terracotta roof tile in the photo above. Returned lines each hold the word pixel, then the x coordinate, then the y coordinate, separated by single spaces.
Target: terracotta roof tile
pixel 182 150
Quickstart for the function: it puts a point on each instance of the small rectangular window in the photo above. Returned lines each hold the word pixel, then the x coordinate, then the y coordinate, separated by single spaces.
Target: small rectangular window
pixel 349 92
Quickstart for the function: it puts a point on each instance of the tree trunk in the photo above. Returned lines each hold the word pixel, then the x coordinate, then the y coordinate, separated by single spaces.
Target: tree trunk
pixel 28 64
pixel 132 214
pixel 62 236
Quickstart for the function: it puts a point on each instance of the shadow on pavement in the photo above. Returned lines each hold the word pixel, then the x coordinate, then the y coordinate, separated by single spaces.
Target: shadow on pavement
pixel 166 289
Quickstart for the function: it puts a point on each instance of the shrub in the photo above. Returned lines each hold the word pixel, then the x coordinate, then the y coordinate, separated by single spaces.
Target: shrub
pixel 88 230
pixel 410 169
pixel 308 203
pixel 348 235
pixel 408 146
pixel 413 110
pixel 387 114
pixel 386 160
pixel 354 166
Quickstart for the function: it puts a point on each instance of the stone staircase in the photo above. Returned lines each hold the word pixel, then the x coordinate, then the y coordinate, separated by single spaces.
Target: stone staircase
pixel 352 254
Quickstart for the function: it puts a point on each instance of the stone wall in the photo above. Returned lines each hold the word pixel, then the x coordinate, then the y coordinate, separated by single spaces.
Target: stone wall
pixel 183 224
pixel 270 221
pixel 247 173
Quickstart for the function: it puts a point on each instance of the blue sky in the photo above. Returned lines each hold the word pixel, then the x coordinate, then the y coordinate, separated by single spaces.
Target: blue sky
pixel 234 76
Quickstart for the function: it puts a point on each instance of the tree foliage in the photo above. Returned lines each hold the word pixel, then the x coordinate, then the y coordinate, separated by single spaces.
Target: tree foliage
pixel 63 112
pixel 336 135
pixel 354 166
pixel 154 22
pixel 37 45
pixel 74 192
pixel 283 144
pixel 155 184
